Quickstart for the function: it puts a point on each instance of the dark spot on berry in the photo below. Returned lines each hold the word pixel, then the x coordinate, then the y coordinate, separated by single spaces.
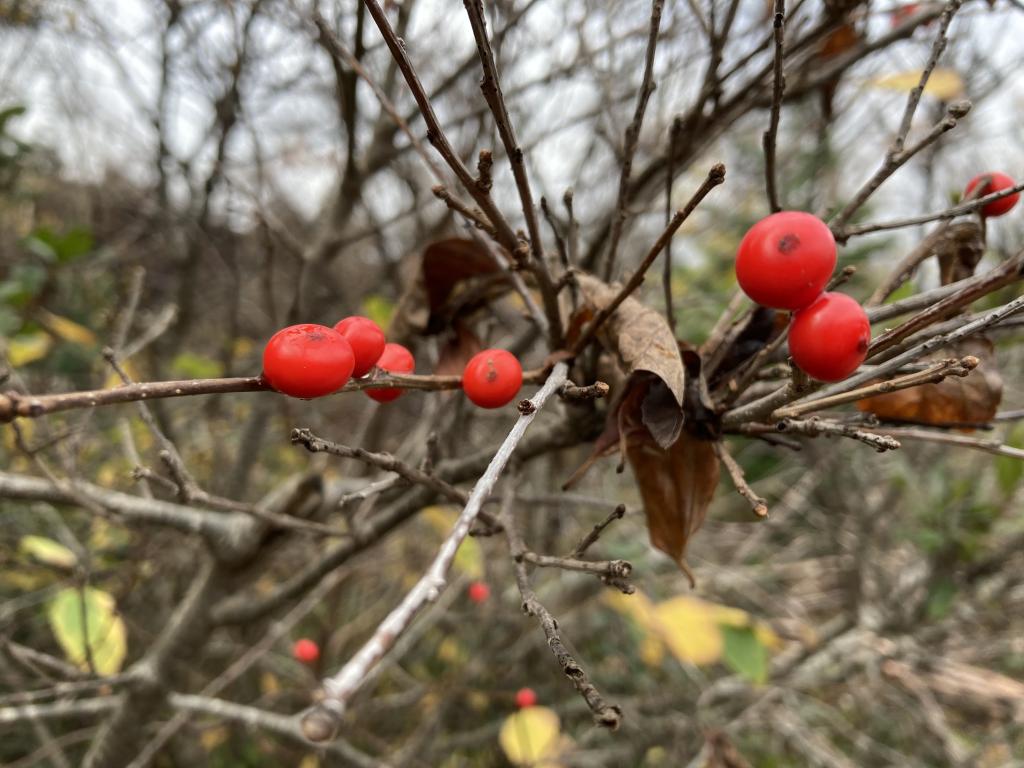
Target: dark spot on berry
pixel 315 336
pixel 862 345
pixel 492 374
pixel 788 243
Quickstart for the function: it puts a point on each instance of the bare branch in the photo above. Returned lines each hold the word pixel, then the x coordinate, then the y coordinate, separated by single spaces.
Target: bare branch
pixel 778 89
pixel 322 721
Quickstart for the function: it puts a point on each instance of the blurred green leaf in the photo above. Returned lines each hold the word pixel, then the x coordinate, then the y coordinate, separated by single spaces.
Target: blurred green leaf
pixel 188 365
pixel 744 654
pixel 940 599
pixel 1010 470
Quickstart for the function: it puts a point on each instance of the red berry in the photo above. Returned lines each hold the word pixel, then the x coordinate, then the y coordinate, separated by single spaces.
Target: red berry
pixel 394 359
pixel 994 182
pixel 492 378
pixel 307 361
pixel 525 697
pixel 479 592
pixel 785 260
pixel 366 339
pixel 306 651
pixel 830 338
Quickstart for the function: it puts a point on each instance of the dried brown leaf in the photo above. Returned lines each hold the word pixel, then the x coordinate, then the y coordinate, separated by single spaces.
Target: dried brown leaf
pixel 952 402
pixel 458 347
pixel 639 336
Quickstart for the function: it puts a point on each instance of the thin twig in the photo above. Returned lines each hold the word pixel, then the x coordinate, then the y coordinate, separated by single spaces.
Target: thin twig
pixel 491 88
pixel 670 178
pixel 321 723
pixel 932 436
pixel 757 504
pixel 949 213
pixel 715 177
pixel 617 514
pixel 897 155
pixel 606 715
pixel 632 139
pixel 813 427
pixel 778 89
pixel 931 375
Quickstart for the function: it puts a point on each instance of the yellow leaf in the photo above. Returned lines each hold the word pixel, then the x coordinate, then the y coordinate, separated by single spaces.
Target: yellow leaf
pixel 269 684
pixel 310 761
pixel 530 737
pixel 212 738
pixel 86 625
pixel 66 329
pixel 944 84
pixel 690 630
pixel 47 551
pixel 28 347
pixel 451 652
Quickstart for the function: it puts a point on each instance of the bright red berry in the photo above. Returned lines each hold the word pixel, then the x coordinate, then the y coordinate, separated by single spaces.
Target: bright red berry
pixel 492 378
pixel 307 361
pixel 394 359
pixel 366 339
pixel 479 592
pixel 525 697
pixel 994 182
pixel 306 651
pixel 830 338
pixel 785 260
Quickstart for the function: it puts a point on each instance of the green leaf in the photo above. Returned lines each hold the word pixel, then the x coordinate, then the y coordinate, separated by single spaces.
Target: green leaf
pixel 191 366
pixel 87 618
pixel 744 654
pixel 940 599
pixel 47 551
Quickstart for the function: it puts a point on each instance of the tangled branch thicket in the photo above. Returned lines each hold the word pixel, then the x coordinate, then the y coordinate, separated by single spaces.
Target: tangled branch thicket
pixel 179 180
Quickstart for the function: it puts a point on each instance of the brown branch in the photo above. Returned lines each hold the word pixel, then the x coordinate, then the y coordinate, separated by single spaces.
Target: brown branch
pixel 757 504
pixel 949 213
pixel 14 404
pixel 491 88
pixel 715 177
pixel 632 139
pixel 1006 274
pixel 591 538
pixel 813 427
pixel 670 178
pixel 605 714
pixel 778 89
pixel 321 723
pixel 995 447
pixel 897 155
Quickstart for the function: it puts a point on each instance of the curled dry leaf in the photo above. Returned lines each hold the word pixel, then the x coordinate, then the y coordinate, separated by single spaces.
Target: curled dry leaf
pixel 953 402
pixel 639 336
pixel 455 275
pixel 457 349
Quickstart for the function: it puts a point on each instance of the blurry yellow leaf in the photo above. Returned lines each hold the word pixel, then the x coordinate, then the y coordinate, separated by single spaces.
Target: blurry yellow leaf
pixel 212 738
pixel 766 636
pixel 47 551
pixel 28 347
pixel 269 684
pixel 66 329
pixel 243 346
pixel 530 737
pixel 944 84
pixel 478 701
pixel 85 623
pixel 310 761
pixel 24 581
pixel 469 559
pixel 450 651
pixel 690 630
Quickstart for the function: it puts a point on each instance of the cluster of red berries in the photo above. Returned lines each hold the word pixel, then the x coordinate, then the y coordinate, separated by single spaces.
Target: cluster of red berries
pixel 784 262
pixel 310 361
